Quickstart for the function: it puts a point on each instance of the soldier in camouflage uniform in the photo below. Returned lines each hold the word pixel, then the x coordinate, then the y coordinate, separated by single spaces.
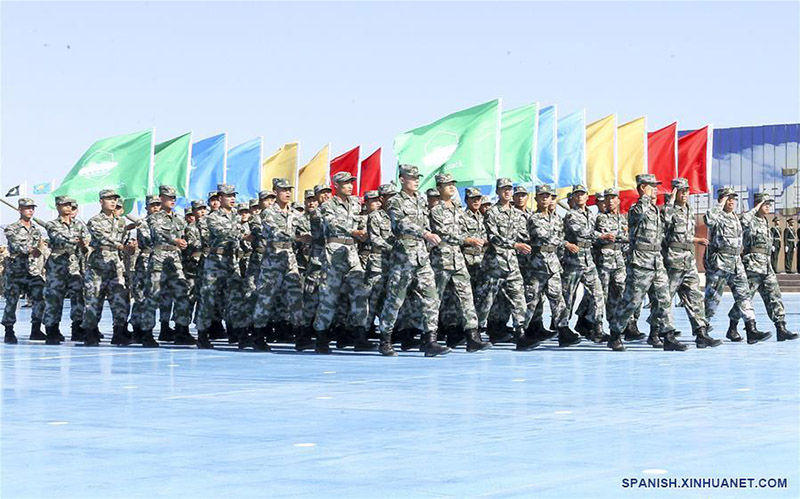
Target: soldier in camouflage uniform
pixel 216 331
pixel 266 199
pixel 584 324
pixel 221 235
pixel 23 273
pixel 311 225
pixel 725 266
pixel 410 271
pixel 447 260
pixel 646 273
pixel 193 254
pixel 3 257
pixel 380 240
pixel 501 266
pixel 760 274
pixel 789 243
pixel 104 272
pixel 238 310
pixel 141 273
pixel 679 259
pixel 279 271
pixel 344 275
pixel 580 234
pixel 68 237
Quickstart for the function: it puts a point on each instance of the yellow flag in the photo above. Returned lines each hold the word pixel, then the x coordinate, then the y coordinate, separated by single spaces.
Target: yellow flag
pixel 631 152
pixel 601 154
pixel 315 172
pixel 282 164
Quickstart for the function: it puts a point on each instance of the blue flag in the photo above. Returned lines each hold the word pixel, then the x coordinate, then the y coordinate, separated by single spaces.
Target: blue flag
pixel 244 168
pixel 208 166
pixel 572 149
pixel 546 147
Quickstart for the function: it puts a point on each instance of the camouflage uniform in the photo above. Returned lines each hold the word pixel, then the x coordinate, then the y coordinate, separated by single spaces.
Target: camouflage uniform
pixel 238 310
pixel 192 263
pixel 141 273
pixel 311 225
pixel 381 241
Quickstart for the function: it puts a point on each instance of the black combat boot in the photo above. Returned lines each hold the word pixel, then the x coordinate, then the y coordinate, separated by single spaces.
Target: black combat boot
pixel 11 337
pixel 60 336
pixel 345 337
pixel 260 341
pixel 583 327
pixel 385 347
pixel 137 334
pixel 77 331
pixel 567 337
pixel 272 332
pixel 147 339
pixel 121 336
pixel 284 332
pixel 783 333
pixel 733 333
pixel 203 342
pixel 322 346
pixel 632 332
pixel 245 339
pixel 653 339
pixel 702 339
pixel 598 336
pixel 615 341
pixel 304 339
pixel 217 331
pixel 362 344
pixel 92 337
pixel 36 332
pixel 455 336
pixel 671 344
pixel 540 331
pixel 474 341
pixel 753 334
pixel 52 336
pixel 525 342
pixel 431 347
pixel 166 333
pixel 408 339
pixel 499 333
pixel 183 336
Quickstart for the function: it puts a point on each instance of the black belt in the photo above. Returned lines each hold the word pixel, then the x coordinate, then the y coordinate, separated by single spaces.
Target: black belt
pixel 762 250
pixel 728 250
pixel 472 250
pixel 647 247
pixel 682 246
pixel 341 240
pixel 409 237
pixel 546 248
pixel 583 244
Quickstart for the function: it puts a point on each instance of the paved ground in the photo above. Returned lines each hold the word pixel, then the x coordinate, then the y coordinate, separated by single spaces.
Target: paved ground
pixel 178 422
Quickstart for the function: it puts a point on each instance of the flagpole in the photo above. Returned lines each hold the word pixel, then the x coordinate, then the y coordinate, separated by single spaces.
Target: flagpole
pixel 152 160
pixel 189 166
pixel 497 138
pixel 296 169
pixel 583 130
pixel 709 155
pixel 225 161
pixel 260 160
pixel 616 152
pixel 535 150
pixel 555 147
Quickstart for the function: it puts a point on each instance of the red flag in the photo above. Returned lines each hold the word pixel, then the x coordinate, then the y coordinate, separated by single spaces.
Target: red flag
pixel 693 159
pixel 347 162
pixel 627 199
pixel 662 155
pixel 371 172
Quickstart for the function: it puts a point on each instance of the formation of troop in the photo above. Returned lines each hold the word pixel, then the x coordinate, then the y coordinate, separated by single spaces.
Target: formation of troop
pixel 397 267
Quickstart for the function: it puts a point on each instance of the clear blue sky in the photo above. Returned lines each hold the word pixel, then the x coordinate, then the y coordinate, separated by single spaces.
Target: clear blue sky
pixel 361 73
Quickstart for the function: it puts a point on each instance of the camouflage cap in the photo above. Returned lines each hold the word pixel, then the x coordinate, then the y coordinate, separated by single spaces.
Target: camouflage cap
pixel 599 196
pixel 167 190
pixel 680 183
pixel 409 171
pixel 26 203
pixel 321 188
pixel 227 189
pixel 444 178
pixel 611 191
pixel 212 194
pixel 266 195
pixel 387 189
pixel 298 207
pixel 579 188
pixel 725 192
pixel 108 193
pixel 188 212
pixel 281 183
pixel 646 179
pixel 243 206
pixel 309 194
pixel 152 199
pixel 520 189
pixel 343 177
pixel 485 200
pixel 74 204
pixel 432 193
pixel 64 200
pixel 253 203
pixel 545 189
pixel 371 195
pixel 503 182
pixel 472 192
pixel 762 196
pixel 199 204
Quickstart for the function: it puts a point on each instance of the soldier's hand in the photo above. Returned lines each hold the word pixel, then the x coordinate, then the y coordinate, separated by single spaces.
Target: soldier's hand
pixel 359 234
pixel 523 248
pixel 131 226
pixel 305 239
pixel 572 247
pixel 36 252
pixel 473 241
pixel 608 237
pixel 248 237
pixel 181 243
pixel 432 238
pixel 80 243
pixel 702 241
pixel 129 248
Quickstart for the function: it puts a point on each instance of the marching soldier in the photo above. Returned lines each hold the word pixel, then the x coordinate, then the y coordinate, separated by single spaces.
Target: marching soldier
pixel 193 254
pixel 381 240
pixel 314 271
pixel 238 313
pixel 23 273
pixel 789 243
pixel 775 232
pixel 141 274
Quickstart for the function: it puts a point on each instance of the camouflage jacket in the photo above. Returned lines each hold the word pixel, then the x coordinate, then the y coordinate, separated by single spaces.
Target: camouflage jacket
pixel 108 232
pixel 757 241
pixel 646 233
pixel 503 230
pixel 546 238
pixel 193 254
pixel 303 250
pixel 611 255
pixel 725 240
pixel 381 241
pixel 474 227
pixel 679 236
pixel 279 229
pixel 65 253
pixel 579 228
pixel 525 261
pixel 221 233
pixel 409 220
pixel 447 222
pixel 339 220
pixel 165 228
pixel 21 240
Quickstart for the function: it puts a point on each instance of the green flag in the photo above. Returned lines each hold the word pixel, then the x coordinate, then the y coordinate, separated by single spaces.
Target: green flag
pixel 464 144
pixel 121 163
pixel 518 144
pixel 171 164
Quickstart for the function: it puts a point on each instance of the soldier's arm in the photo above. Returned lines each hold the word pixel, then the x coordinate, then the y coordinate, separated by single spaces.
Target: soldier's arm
pixel 493 234
pixel 374 233
pixel 99 234
pixel 399 223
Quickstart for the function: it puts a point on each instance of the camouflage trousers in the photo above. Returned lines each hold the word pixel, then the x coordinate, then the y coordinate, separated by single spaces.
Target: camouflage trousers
pixel 279 281
pixel 311 283
pixel 767 286
pixel 613 282
pixel 686 283
pixel 376 285
pixel 501 282
pixel 61 284
pixel 141 274
pixel 215 277
pixel 591 287
pixel 737 281
pixel 547 286
pixel 410 315
pixel 342 280
pixel 17 284
pixel 238 312
pixel 167 285
pixel 640 282
pixel 105 280
pixel 462 302
pixel 417 285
